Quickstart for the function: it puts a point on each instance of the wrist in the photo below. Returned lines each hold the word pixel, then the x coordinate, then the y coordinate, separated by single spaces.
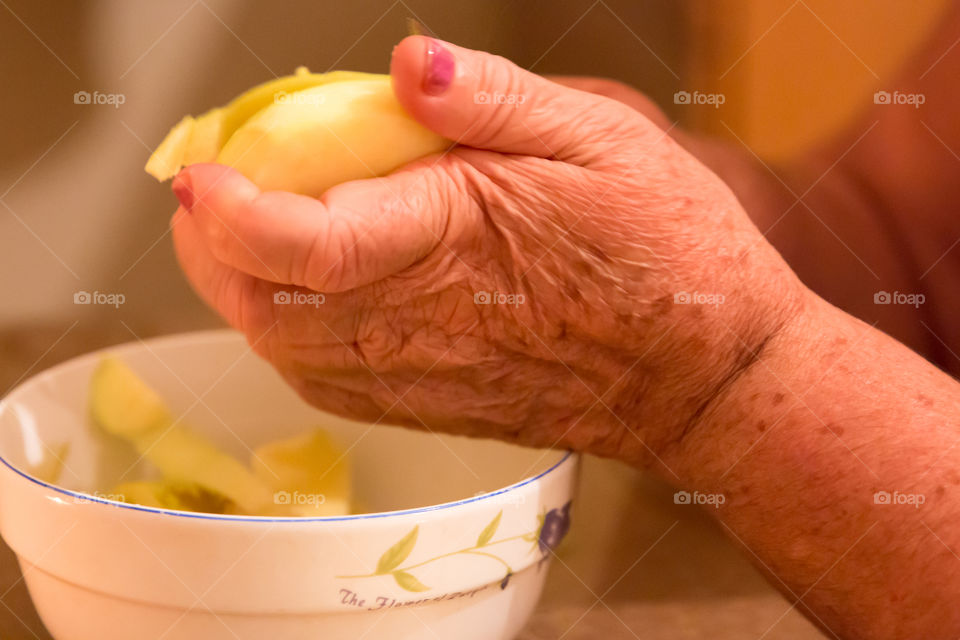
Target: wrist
pixel 702 366
pixel 766 383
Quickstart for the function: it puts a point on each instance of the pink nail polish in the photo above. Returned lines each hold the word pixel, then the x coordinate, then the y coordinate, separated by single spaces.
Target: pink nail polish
pixel 439 68
pixel 182 189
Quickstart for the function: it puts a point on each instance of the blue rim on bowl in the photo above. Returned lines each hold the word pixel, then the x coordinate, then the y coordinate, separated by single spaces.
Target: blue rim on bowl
pixel 215 516
pixel 5 403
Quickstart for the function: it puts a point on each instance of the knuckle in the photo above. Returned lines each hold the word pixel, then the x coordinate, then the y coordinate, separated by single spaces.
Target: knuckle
pixel 617 90
pixel 220 239
pixel 331 257
pixel 611 87
pixel 378 346
pixel 243 301
pixel 226 231
pixel 502 79
pixel 226 297
pixel 396 206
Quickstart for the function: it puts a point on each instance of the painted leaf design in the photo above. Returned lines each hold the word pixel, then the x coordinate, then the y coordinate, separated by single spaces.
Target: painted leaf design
pixel 487 534
pixel 408 581
pixel 535 539
pixel 396 554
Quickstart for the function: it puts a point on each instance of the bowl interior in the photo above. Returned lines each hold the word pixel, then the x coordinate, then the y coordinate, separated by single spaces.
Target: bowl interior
pixel 224 390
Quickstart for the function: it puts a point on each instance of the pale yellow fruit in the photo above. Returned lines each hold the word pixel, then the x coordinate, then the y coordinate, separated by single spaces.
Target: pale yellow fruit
pixel 307 475
pixel 123 405
pixel 310 472
pixel 186 457
pixel 303 133
pixel 148 494
pixel 169 495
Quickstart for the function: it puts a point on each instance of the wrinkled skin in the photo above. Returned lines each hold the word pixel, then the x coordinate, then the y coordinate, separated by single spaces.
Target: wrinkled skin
pixel 576 202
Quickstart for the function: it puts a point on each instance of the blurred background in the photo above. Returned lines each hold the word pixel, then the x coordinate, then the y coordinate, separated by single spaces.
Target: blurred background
pixel 78 214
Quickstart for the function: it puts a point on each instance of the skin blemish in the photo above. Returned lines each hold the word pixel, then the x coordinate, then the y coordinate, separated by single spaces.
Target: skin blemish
pixel 599 253
pixel 698 344
pixel 777 398
pixel 661 306
pixel 573 292
pixel 583 267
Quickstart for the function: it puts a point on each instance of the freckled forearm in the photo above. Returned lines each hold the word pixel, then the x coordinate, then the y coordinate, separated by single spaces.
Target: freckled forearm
pixel 833 413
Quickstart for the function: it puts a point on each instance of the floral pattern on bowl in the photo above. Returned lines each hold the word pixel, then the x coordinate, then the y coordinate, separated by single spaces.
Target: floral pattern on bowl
pixel 552 527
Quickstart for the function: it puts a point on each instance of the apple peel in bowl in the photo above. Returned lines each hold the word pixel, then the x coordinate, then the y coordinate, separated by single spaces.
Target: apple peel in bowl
pixel 198 475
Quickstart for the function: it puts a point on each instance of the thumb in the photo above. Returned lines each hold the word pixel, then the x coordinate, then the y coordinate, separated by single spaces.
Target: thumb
pixel 485 101
pixel 357 233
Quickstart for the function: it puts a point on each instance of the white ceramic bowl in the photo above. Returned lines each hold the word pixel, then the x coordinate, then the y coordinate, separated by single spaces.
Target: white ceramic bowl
pixel 448 517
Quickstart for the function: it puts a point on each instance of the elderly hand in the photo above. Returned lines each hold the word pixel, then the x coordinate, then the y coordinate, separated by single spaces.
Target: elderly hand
pixel 567 275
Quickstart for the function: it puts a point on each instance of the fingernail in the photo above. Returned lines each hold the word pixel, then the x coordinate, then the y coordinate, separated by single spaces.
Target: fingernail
pixel 438 71
pixel 182 189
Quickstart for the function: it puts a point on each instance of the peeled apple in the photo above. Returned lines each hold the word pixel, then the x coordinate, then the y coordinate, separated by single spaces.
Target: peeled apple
pixel 302 133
